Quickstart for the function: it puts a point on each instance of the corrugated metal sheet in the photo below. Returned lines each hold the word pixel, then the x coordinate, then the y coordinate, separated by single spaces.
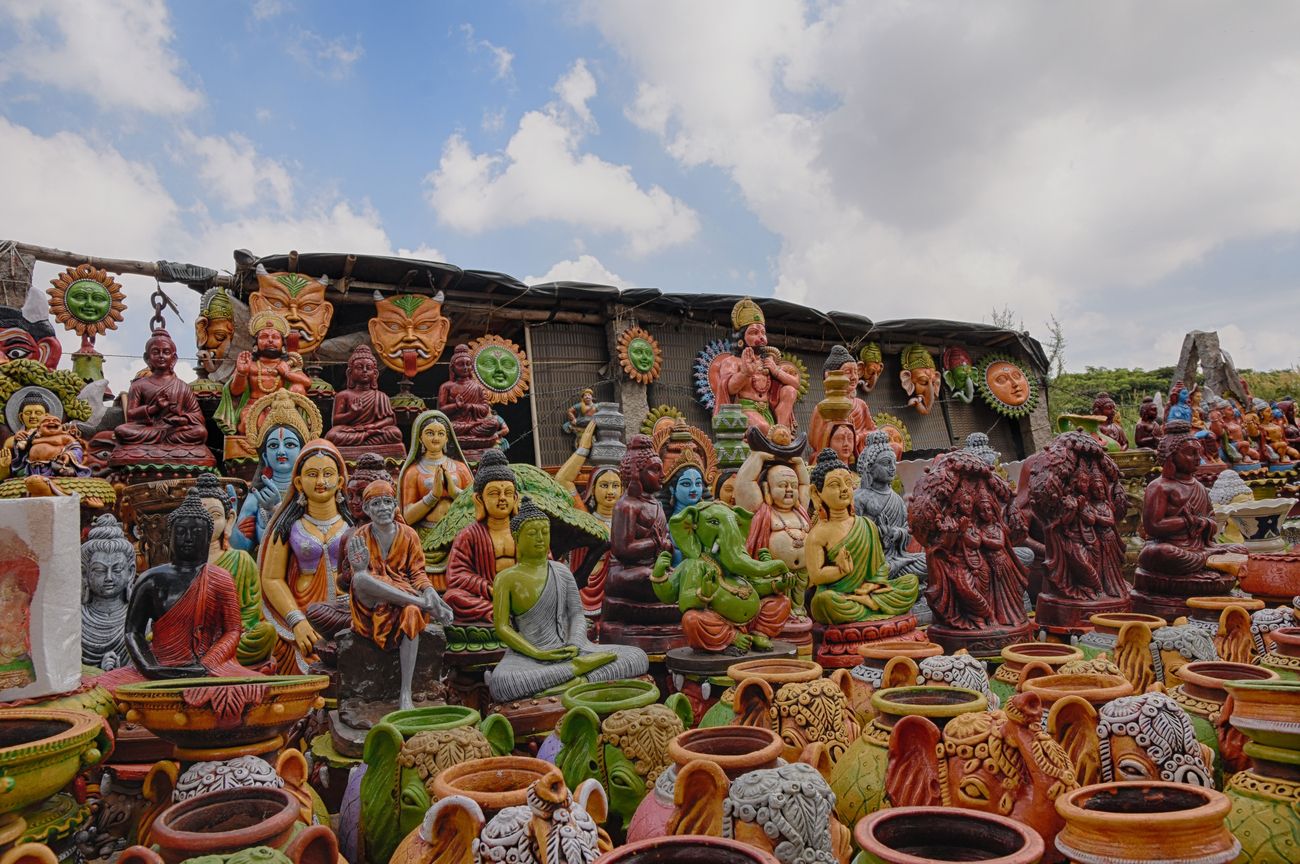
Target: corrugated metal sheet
pixel 566 359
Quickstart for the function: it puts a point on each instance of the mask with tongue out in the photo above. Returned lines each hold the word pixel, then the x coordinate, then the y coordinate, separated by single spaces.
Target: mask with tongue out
pixel 409 332
pixel 300 300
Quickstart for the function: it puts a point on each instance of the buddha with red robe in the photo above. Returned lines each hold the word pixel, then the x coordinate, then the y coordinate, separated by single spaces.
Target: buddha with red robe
pixel 486 547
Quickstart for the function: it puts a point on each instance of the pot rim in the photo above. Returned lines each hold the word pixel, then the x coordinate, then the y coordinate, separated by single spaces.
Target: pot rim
pixel 444 781
pixel 680 752
pixel 1281 685
pixel 170 689
pixel 884 701
pixel 1218 604
pixel 775 670
pixel 1103 687
pixel 412 720
pixel 83 727
pixel 1055 655
pixel 1214 805
pixel 1116 620
pixel 274 825
pixel 626 852
pixel 1197 674
pixel 1031 851
pixel 887 649
pixel 1290 635
pixel 577 696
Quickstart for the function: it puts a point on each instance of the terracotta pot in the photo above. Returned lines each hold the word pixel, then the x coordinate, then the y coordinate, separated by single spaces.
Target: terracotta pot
pixel 1145 820
pixel 686 849
pixel 1273 576
pixel 493 784
pixel 218 823
pixel 1258 522
pixel 1206 610
pixel 736 750
pixel 1265 798
pixel 1097 690
pixel 606 697
pixel 776 671
pixel 921 835
pixel 1266 711
pixel 838 404
pixel 1015 657
pixel 1204 689
pixel 1285 656
pixel 1106 627
pixel 42 749
pixel 414 720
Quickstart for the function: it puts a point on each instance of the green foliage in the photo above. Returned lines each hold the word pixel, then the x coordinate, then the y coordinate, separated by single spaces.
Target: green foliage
pixel 1274 385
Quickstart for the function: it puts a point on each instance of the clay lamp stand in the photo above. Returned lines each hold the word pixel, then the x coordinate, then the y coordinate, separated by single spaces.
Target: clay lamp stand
pixel 776 671
pixel 686 849
pixel 931 835
pixel 494 783
pixel 1284 658
pixel 1094 689
pixel 1146 820
pixel 1266 796
pixel 1106 627
pixel 858 778
pixel 1016 657
pixel 737 750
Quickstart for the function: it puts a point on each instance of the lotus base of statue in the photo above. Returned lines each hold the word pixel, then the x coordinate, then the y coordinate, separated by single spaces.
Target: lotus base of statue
pixel 837 644
pixel 1069 615
pixel 986 643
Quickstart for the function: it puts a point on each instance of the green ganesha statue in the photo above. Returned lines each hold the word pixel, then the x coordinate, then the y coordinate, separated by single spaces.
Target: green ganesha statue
pixel 729 600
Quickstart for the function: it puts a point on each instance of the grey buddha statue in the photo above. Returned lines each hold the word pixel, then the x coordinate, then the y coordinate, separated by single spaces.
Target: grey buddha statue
pixel 538 616
pixel 877 500
pixel 107 573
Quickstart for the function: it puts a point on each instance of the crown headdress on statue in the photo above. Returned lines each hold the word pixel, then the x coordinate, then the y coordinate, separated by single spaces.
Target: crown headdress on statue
pixel 744 313
pixel 870 353
pixel 283 408
pixel 262 320
pixel 216 304
pixel 685 458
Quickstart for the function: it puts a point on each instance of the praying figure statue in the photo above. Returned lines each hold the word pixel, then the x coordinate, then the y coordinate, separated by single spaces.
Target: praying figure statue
pixel 393 600
pixel 363 414
pixel 183 619
pixel 538 616
pixel 107 571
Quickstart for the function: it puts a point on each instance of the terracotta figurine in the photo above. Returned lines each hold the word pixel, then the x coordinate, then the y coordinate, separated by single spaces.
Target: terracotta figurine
pixel 604 488
pixel 300 554
pixel 183 620
pixel 258 373
pixel 434 472
pixel 161 411
pixel 486 547
pixel 363 415
pixel 776 490
pixel 393 600
pixel 959 373
pixel 877 501
pixel 300 300
pixel 22 338
pixel 281 426
pixel 214 327
pixel 754 375
pixel 1104 406
pixel 33 406
pixel 581 412
pixel 859 420
pixel 107 572
pixel 465 402
pixel 919 378
pixel 538 617
pixel 684 486
pixel 846 562
pixel 1149 429
pixel 870 366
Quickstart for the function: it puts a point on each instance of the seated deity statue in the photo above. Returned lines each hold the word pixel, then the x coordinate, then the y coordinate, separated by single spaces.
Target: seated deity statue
pixel 183 620
pixel 877 501
pixel 107 571
pixel 538 616
pixel 846 561
pixel 363 414
pixel 393 600
pixel 465 402
pixel 486 547
pixel 161 410
pixel 776 491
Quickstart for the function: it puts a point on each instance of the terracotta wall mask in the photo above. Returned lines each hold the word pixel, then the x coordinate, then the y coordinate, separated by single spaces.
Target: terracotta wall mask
pixel 502 367
pixel 300 300
pixel 1006 385
pixel 870 365
pixel 86 300
pixel 21 339
pixel 409 332
pixel 640 355
pixel 919 378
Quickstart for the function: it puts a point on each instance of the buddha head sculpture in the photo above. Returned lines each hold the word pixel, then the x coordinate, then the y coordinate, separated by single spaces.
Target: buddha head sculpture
pixel 300 300
pixel 214 328
pixel 496 492
pixel 919 377
pixel 21 339
pixel 409 331
pixel 870 365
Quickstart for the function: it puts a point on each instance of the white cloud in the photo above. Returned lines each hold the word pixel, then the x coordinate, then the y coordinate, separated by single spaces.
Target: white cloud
pixel 264 10
pixel 116 52
pixel 502 58
pixel 584 268
pixel 329 58
pixel 575 88
pixel 921 159
pixel 422 253
pixel 493 121
pixel 543 176
pixel 234 171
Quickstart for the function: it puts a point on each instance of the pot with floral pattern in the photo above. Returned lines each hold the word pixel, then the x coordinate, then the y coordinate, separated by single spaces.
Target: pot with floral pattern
pixel 1145 821
pixel 885 664
pixel 776 671
pixel 858 778
pixel 1284 654
pixel 932 835
pixel 686 849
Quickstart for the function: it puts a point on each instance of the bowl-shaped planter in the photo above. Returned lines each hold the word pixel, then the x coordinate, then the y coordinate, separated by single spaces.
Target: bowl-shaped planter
pixel 494 783
pixel 606 697
pixel 1259 522
pixel 1146 820
pixel 1106 627
pixel 928 835
pixel 1016 657
pixel 1204 686
pixel 225 821
pixel 43 749
pixel 1096 690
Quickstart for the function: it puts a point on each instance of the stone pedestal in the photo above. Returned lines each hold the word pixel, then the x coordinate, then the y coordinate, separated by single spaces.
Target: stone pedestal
pixel 370 678
pixel 1066 615
pixel 701 676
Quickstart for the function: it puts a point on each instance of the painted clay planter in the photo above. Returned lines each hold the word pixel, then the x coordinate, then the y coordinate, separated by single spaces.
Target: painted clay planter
pixel 1260 522
pixel 776 671
pixel 1016 657
pixel 1203 692
pixel 1267 712
pixel 42 750
pixel 1273 576
pixel 1106 627
pixel 1096 690
pixel 226 821
pixel 891 663
pixel 858 778
pixel 921 835
pixel 1284 658
pixel 686 849
pixel 606 697
pixel 1265 800
pixel 737 750
pixel 493 784
pixel 1145 820
pixel 217 718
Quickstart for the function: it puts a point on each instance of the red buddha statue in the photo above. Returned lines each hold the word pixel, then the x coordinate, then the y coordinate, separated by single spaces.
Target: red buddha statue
pixel 363 415
pixel 465 402
pixel 163 421
pixel 183 619
pixel 1180 558
pixel 486 547
pixel 1148 431
pixel 1104 406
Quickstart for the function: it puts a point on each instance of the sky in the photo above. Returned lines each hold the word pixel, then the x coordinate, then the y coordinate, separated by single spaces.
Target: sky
pixel 1130 168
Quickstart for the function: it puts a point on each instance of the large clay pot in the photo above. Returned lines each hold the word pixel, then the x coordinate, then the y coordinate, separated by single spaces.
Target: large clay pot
pixel 1096 690
pixel 225 821
pixel 1203 692
pixel 922 835
pixel 686 849
pixel 1284 658
pixel 858 778
pixel 1016 657
pixel 1272 576
pixel 493 784
pixel 885 664
pixel 42 750
pixel 737 750
pixel 838 402
pixel 1106 627
pixel 776 671
pixel 1145 820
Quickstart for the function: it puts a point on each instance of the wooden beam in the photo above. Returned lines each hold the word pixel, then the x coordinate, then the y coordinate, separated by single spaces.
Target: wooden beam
pixel 51 255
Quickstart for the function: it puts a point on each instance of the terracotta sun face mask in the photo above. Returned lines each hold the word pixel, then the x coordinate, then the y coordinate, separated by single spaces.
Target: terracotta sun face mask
pixel 1008 382
pixel 409 332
